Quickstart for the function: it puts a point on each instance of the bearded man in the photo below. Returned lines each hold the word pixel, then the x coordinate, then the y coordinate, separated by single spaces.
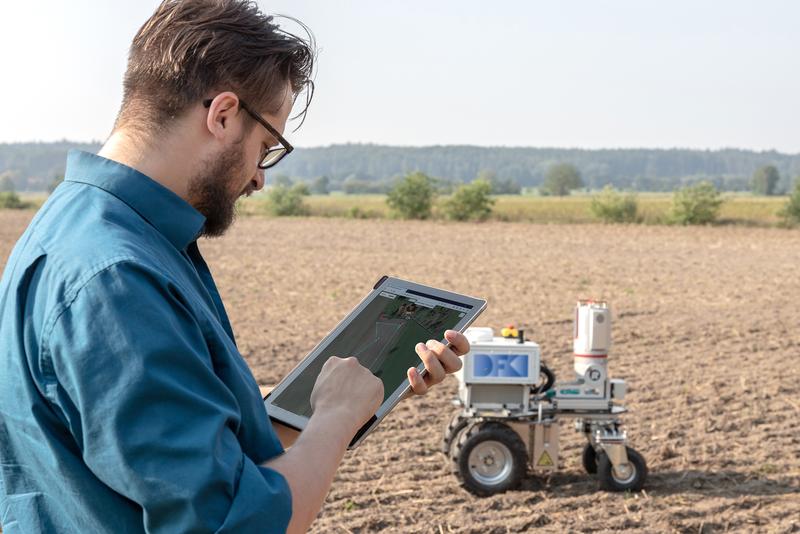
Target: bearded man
pixel 125 405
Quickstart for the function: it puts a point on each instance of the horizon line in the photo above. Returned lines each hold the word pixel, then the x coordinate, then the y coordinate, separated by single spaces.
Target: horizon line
pixel 361 143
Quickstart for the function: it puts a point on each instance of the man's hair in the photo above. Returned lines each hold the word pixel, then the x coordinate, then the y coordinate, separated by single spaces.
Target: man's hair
pixel 189 48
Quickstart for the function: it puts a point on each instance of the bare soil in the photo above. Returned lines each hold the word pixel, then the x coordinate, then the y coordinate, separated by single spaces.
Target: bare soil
pixel 706 334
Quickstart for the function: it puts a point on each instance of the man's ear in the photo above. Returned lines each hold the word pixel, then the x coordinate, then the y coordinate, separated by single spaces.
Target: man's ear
pixel 220 114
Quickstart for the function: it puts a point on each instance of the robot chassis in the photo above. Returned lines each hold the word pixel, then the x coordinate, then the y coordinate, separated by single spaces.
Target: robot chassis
pixel 510 406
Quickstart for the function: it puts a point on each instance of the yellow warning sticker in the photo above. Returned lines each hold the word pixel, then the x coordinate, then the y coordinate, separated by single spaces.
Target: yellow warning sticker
pixel 545 460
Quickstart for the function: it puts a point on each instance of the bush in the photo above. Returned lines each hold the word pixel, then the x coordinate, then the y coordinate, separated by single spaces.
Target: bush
pixel 500 186
pixel 412 197
pixel 7 183
pixel 287 201
pixel 321 185
pixel 695 204
pixel 791 210
pixel 358 213
pixel 470 202
pixel 560 179
pixel 612 207
pixel 765 179
pixel 302 189
pixel 9 200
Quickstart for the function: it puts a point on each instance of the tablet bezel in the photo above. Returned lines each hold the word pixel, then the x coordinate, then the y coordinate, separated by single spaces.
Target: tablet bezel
pixel 473 307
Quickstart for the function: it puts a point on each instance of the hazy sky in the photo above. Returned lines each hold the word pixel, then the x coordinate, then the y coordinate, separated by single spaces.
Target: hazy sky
pixel 672 73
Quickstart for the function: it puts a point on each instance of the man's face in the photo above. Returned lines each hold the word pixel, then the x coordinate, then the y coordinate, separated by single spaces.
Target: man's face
pixel 234 172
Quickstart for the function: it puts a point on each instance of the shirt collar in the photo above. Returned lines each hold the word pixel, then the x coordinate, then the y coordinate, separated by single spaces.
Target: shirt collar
pixel 171 215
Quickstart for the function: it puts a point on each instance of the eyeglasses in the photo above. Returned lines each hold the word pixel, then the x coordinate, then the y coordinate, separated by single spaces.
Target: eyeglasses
pixel 271 156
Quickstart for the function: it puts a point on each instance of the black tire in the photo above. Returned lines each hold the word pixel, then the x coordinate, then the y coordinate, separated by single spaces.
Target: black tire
pixel 455 424
pixel 489 458
pixel 549 380
pixel 633 481
pixel 589 459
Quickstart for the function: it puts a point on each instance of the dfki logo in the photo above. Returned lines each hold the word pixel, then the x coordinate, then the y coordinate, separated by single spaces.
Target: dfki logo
pixel 500 365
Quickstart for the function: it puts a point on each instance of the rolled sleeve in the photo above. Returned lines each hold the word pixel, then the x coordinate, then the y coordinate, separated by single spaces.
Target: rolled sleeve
pixel 253 483
pixel 140 391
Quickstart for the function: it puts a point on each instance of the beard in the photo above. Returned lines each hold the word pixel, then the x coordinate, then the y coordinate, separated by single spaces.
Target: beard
pixel 212 191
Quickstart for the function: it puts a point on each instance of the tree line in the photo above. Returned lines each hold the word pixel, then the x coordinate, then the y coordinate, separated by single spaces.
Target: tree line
pixel 364 168
pixel 413 196
pixel 374 168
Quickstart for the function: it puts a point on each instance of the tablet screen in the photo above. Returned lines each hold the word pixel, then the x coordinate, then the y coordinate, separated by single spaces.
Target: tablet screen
pixel 382 337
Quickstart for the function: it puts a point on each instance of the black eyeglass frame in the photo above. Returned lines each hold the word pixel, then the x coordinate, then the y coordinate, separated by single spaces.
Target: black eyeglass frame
pixel 286 147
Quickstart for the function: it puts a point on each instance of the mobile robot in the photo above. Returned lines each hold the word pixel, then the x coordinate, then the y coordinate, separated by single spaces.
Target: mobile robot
pixel 510 407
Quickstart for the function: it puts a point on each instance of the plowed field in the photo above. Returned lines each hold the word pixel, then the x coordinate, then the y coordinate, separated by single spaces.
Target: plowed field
pixel 706 333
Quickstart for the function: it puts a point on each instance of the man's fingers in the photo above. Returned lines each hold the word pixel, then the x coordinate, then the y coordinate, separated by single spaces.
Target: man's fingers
pixel 458 342
pixel 434 367
pixel 418 385
pixel 439 360
pixel 450 361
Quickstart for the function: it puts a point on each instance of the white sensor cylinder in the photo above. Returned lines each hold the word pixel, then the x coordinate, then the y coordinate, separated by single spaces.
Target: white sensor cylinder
pixel 592 335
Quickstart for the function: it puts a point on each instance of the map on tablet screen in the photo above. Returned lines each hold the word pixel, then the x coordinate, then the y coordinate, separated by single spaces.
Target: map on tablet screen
pixel 382 338
pixel 382 332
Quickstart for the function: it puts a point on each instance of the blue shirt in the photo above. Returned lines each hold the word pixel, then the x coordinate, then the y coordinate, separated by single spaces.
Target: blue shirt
pixel 124 403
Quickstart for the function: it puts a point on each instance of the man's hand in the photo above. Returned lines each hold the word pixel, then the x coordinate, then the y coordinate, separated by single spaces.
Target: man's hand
pixel 347 392
pixel 440 360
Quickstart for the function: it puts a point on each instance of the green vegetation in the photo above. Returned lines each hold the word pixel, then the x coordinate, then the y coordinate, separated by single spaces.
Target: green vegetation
pixel 412 197
pixel 470 202
pixel 791 210
pixel 348 206
pixel 283 200
pixel 652 208
pixel 561 179
pixel 611 206
pixel 7 183
pixel 765 179
pixel 500 186
pixel 357 184
pixel 321 185
pixel 372 168
pixel 281 180
pixel 695 204
pixel 11 201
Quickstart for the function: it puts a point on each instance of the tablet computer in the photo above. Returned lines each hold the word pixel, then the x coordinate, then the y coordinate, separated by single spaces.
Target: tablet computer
pixel 381 332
